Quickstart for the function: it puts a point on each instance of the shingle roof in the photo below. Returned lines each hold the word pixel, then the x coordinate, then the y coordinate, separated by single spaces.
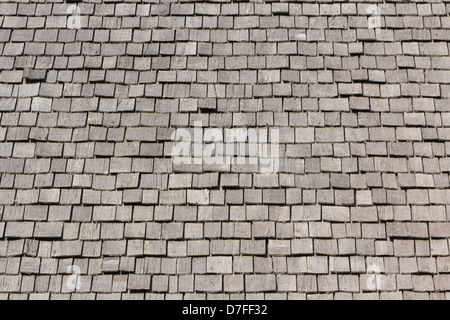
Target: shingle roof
pixel 344 104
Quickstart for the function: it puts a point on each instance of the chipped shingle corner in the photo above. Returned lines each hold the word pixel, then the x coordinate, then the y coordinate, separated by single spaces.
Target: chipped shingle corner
pixel 34 75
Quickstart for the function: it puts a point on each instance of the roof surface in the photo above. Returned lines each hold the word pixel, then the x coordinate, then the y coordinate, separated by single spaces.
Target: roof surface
pixel 336 185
